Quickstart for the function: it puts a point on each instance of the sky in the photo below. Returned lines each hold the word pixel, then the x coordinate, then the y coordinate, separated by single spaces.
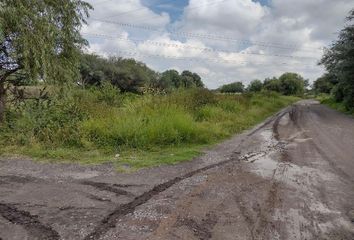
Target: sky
pixel 222 40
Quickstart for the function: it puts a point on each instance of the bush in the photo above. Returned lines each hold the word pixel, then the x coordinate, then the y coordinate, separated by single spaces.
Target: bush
pixel 101 119
pixel 53 123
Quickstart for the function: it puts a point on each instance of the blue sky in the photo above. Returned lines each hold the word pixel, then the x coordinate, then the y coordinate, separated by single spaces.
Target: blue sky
pixel 175 7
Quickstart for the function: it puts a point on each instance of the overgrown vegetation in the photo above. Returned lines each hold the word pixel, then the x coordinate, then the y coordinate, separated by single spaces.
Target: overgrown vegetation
pixel 339 62
pixel 93 125
pixel 328 100
pixel 58 103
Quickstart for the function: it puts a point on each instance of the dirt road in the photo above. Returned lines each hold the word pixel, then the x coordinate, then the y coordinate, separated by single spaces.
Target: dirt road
pixel 290 178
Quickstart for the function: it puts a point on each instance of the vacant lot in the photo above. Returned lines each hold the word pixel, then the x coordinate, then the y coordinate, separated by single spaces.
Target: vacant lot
pixel 132 131
pixel 289 178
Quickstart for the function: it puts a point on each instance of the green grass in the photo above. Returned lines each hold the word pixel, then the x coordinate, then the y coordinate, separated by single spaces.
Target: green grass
pixel 327 100
pixel 94 126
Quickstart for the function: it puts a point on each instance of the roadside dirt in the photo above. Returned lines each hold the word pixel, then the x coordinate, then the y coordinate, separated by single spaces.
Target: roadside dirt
pixel 291 178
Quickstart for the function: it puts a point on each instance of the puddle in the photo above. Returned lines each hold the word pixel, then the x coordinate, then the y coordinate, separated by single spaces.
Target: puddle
pixel 284 120
pixel 265 166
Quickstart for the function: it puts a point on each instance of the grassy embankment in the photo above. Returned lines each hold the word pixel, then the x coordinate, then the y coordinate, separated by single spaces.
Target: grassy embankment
pixel 93 126
pixel 327 100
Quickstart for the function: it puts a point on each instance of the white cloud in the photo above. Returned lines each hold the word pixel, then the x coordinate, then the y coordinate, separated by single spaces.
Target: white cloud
pixel 261 39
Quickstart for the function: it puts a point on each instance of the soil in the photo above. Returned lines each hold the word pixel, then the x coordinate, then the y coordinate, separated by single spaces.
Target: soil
pixel 291 177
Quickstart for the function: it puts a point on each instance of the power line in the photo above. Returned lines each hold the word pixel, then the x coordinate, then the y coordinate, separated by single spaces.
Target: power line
pixel 207 36
pixel 183 46
pixel 135 53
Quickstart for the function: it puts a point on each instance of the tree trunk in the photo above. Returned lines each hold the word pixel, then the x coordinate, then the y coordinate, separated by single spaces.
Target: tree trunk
pixel 2 101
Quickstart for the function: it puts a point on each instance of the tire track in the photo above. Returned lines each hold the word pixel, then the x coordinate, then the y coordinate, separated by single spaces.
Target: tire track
pixel 107 187
pixel 295 115
pixel 110 220
pixel 263 226
pixel 29 222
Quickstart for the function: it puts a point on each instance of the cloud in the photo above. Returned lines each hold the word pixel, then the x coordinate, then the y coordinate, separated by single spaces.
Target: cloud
pixel 224 40
pixel 239 18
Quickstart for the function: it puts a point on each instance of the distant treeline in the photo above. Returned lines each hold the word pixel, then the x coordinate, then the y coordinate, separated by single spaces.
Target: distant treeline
pixel 286 84
pixel 130 75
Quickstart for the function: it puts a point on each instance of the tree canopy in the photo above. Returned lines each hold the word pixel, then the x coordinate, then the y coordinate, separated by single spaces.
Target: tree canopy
pixel 287 84
pixel 339 62
pixel 325 83
pixel 130 75
pixel 39 40
pixel 235 87
pixel 272 84
pixel 255 86
pixel 291 84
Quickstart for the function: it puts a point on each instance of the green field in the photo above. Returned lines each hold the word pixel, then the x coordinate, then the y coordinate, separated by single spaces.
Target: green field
pixel 131 131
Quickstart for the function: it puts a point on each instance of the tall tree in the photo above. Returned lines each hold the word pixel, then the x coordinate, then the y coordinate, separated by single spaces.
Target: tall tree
pixel 292 84
pixel 39 39
pixel 255 86
pixel 190 79
pixel 324 84
pixel 169 79
pixel 339 62
pixel 272 84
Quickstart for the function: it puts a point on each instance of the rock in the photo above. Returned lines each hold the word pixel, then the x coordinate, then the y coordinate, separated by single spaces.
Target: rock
pixel 117 155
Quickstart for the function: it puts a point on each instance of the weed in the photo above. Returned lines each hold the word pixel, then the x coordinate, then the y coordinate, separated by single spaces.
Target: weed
pixel 93 125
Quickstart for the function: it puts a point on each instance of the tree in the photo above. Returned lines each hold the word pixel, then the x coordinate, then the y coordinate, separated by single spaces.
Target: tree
pixel 339 62
pixel 236 87
pixel 292 84
pixel 190 80
pixel 175 78
pixel 129 75
pixel 171 79
pixel 324 84
pixel 91 70
pixel 198 80
pixel 272 84
pixel 39 39
pixel 168 80
pixel 255 86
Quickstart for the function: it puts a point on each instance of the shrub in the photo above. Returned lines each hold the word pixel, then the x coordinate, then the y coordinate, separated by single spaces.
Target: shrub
pixel 101 120
pixel 53 123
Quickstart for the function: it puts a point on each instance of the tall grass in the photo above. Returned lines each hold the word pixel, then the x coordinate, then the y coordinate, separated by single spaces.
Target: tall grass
pixel 99 123
pixel 328 100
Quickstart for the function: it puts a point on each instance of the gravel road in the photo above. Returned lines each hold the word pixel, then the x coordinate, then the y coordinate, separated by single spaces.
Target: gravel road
pixel 291 178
